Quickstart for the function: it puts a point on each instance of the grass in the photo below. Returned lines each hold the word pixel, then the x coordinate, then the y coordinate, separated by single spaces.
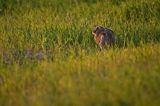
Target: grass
pixel 71 69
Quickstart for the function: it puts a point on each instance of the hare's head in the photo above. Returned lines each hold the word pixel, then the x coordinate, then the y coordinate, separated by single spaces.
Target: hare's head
pixel 97 30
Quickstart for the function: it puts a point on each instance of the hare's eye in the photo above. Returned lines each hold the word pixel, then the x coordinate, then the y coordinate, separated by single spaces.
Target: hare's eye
pixel 94 31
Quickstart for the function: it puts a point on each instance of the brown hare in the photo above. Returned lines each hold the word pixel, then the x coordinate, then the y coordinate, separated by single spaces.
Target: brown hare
pixel 103 36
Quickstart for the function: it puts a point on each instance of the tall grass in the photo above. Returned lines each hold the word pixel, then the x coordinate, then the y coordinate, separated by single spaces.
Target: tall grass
pixel 48 55
pixel 45 26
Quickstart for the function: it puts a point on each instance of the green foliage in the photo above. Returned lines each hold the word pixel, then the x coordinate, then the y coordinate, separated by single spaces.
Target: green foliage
pixel 48 55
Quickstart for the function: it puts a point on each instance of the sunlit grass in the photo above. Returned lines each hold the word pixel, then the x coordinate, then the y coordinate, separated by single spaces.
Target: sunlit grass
pixel 48 55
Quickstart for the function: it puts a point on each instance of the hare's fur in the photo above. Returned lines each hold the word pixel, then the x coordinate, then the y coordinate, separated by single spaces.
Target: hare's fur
pixel 103 36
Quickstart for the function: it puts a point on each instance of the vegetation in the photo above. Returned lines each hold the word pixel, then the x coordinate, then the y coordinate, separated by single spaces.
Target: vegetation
pixel 48 55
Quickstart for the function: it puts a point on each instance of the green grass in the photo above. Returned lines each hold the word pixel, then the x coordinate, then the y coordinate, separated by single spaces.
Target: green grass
pixel 73 70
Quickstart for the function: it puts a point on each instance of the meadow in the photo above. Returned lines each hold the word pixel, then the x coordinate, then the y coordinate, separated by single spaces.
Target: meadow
pixel 48 55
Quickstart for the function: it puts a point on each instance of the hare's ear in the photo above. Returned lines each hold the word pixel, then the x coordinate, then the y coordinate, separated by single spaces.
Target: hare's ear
pixel 95 28
pixel 101 28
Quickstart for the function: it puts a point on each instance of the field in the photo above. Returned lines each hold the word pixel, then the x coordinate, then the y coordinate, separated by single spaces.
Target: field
pixel 48 55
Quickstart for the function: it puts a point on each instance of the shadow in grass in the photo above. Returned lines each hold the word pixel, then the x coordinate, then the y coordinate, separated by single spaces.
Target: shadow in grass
pixel 15 56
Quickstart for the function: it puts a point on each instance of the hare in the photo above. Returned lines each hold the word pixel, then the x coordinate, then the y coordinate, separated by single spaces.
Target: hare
pixel 103 36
